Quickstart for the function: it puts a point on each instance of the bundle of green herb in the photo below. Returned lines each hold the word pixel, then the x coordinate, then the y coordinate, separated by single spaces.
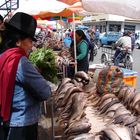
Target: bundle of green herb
pixel 44 59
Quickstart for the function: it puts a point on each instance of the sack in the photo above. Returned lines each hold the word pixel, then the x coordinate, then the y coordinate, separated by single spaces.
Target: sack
pixel 110 80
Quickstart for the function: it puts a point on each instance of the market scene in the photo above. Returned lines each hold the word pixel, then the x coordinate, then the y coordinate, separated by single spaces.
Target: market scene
pixel 69 70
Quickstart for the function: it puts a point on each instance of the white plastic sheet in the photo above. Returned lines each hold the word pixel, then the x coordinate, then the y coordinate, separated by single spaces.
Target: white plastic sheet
pixel 128 8
pixel 34 7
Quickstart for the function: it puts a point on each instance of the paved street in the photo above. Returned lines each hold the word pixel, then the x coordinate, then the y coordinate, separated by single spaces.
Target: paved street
pixel 136 65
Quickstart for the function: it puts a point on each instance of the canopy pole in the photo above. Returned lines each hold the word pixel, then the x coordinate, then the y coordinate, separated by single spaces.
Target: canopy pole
pixel 74 39
pixel 61 29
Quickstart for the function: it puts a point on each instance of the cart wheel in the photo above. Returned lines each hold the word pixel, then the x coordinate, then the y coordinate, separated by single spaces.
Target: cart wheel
pixel 103 59
pixel 128 63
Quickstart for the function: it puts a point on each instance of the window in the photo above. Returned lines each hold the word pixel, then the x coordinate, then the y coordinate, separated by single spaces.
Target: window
pixel 129 28
pixel 114 27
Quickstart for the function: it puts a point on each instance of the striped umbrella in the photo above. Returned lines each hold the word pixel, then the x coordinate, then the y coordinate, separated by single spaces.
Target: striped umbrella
pixel 69 2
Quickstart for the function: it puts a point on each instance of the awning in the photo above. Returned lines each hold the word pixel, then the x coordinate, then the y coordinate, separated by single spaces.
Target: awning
pixel 127 8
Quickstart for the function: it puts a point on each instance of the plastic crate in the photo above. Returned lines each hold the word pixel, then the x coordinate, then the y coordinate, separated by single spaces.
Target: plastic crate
pixel 129 77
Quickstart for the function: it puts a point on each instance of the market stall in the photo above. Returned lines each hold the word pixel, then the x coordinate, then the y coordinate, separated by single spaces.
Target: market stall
pixel 88 108
pixel 84 109
pixel 70 11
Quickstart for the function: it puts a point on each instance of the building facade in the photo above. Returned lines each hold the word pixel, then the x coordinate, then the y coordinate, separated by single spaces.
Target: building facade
pixel 107 22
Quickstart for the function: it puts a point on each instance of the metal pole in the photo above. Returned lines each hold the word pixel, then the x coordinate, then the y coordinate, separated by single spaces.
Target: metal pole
pixel 61 29
pixel 75 56
pixel 52 119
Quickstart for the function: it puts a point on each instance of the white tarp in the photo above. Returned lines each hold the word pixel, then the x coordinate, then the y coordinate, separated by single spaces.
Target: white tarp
pixel 127 8
pixel 34 7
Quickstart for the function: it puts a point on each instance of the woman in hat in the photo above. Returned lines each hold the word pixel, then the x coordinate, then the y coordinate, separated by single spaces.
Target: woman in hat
pixel 22 88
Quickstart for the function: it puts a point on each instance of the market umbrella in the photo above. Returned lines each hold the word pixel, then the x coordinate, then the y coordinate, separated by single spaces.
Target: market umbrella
pixel 67 12
pixel 34 7
pixel 69 2
pixel 57 9
pixel 56 13
pixel 128 8
pixel 62 12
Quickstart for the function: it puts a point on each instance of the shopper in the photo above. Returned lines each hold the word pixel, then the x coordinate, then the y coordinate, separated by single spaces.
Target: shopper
pixel 90 45
pixel 22 88
pixel 133 39
pixel 97 36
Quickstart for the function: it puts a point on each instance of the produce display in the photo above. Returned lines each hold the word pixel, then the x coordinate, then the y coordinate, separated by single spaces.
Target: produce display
pixel 84 113
pixel 44 59
pixel 63 57
pixel 52 44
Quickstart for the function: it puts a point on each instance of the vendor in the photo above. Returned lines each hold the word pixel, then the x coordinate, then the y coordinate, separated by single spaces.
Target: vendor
pixel 82 50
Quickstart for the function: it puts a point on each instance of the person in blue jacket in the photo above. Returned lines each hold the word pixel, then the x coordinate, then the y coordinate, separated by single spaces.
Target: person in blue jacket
pixel 22 87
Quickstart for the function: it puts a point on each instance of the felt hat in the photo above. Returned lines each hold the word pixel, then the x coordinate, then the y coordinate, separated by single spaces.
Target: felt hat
pixel 24 23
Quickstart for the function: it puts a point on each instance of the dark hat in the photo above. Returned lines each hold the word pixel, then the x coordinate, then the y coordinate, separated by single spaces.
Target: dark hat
pixel 24 23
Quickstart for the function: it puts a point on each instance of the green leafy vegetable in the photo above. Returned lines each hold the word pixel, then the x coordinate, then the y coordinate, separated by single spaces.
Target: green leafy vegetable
pixel 44 59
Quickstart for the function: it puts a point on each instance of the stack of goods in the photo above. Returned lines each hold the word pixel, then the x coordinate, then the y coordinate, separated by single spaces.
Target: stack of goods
pixel 53 44
pixel 48 43
pixel 70 103
pixel 103 110
pixel 64 57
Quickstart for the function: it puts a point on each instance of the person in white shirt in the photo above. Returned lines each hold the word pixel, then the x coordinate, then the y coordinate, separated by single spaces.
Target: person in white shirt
pixel 123 47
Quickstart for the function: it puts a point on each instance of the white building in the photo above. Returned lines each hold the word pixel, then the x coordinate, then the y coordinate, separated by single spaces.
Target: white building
pixel 108 22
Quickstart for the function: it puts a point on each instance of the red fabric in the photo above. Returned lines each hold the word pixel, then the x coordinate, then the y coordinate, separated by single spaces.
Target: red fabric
pixel 8 67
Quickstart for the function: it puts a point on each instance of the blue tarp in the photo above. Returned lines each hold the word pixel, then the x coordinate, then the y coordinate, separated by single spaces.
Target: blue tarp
pixel 82 27
pixel 67 42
